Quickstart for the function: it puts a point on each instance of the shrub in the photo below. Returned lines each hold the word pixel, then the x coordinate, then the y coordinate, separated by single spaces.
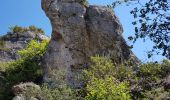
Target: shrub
pixel 2 42
pixel 39 30
pixel 152 79
pixel 107 89
pixel 124 71
pixel 16 29
pixel 27 68
pixel 102 84
pixel 35 29
pixel 152 70
pixel 165 68
pixel 157 94
pixel 46 93
pixel 102 66
pixel 34 50
pixel 3 66
pixel 83 2
pixel 32 28
pixel 58 90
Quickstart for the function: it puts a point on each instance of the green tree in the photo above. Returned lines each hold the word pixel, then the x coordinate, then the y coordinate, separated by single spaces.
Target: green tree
pixel 151 20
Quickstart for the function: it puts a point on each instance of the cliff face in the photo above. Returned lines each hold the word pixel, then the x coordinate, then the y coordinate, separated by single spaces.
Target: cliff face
pixel 12 42
pixel 80 32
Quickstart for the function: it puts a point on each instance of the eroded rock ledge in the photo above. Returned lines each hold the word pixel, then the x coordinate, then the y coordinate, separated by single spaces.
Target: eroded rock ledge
pixel 80 32
pixel 12 42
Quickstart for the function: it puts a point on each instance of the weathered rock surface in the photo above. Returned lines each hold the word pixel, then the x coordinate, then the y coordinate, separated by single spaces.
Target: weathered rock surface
pixel 12 42
pixel 20 91
pixel 80 32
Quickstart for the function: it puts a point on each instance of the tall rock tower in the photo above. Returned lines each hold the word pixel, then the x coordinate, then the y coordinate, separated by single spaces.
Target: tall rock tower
pixel 80 32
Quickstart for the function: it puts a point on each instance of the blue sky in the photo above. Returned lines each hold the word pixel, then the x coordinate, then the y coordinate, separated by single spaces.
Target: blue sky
pixel 29 12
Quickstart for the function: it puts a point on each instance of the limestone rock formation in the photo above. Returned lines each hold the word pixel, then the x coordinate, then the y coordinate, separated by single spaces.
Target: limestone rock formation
pixel 12 42
pixel 20 89
pixel 80 32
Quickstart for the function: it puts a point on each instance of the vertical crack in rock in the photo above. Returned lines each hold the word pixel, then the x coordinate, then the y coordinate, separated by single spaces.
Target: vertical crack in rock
pixel 80 32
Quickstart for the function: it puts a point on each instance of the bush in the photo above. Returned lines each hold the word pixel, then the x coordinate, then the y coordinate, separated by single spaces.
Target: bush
pixel 165 68
pixel 107 89
pixel 27 68
pixel 17 29
pixel 32 28
pixel 155 71
pixel 35 29
pixel 102 84
pixel 102 66
pixel 2 42
pixel 124 71
pixel 83 2
pixel 157 94
pixel 46 93
pixel 153 80
pixel 152 70
pixel 3 66
pixel 58 91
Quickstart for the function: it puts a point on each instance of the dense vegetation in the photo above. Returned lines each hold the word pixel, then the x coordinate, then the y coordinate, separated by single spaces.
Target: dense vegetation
pixel 104 80
pixel 103 83
pixel 25 69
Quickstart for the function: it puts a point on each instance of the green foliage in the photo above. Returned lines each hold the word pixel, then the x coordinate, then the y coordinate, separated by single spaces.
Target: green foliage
pixel 165 68
pixel 58 90
pixel 35 29
pixel 104 79
pixel 83 2
pixel 2 43
pixel 102 67
pixel 34 50
pixel 46 93
pixel 27 68
pixel 151 20
pixel 124 71
pixel 58 83
pixel 157 94
pixel 154 70
pixel 3 66
pixel 5 49
pixel 18 29
pixel 151 77
pixel 101 83
pixel 107 89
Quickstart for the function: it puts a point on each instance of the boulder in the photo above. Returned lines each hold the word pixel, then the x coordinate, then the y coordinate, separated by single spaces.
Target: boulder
pixel 20 91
